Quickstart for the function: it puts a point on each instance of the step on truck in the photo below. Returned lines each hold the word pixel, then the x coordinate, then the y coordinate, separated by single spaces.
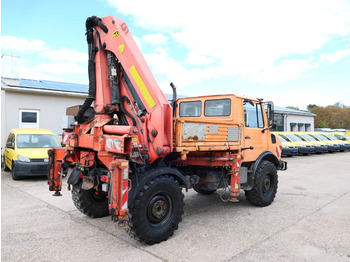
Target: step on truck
pixel 131 152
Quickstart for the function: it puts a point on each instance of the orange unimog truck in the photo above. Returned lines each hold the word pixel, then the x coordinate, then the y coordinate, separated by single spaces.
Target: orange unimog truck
pixel 133 152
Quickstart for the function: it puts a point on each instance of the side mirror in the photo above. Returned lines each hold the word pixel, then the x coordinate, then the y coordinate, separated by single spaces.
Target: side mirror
pixel 270 114
pixel 9 145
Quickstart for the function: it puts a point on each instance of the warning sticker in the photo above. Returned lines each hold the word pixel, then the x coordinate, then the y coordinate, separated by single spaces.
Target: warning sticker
pixel 116 34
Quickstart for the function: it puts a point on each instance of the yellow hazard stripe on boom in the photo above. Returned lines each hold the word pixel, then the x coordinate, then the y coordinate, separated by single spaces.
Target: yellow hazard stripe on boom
pixel 141 85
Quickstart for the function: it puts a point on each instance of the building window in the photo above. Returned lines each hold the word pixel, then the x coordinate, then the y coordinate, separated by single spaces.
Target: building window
pixel 293 127
pixel 307 127
pixel 28 118
pixel 300 127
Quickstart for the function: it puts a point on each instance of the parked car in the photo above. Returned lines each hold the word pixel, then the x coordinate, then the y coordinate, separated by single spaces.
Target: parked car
pixel 288 148
pixel 332 147
pixel 304 148
pixel 343 144
pixel 320 147
pixel 342 136
pixel 26 152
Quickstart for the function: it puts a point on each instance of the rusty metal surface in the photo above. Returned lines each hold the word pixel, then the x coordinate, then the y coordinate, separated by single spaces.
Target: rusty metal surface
pixel 193 131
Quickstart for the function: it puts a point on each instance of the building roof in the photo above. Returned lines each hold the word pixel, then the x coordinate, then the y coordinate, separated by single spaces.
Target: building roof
pixel 283 110
pixel 43 86
pixel 63 88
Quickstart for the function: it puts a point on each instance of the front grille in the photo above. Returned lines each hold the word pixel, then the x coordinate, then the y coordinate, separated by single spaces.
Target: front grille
pixel 37 160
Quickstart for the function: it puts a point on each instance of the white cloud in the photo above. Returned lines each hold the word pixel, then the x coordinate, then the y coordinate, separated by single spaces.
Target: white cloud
pixel 61 68
pixel 58 64
pixel 244 38
pixel 155 39
pixel 22 45
pixel 65 54
pixel 335 57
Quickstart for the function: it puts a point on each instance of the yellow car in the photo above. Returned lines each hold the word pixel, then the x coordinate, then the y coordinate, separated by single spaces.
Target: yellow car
pixel 288 148
pixel 26 151
pixel 342 136
pixel 304 148
pixel 332 147
pixel 320 147
pixel 343 145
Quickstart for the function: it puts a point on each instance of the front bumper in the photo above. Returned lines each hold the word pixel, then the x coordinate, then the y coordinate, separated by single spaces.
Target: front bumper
pixel 333 148
pixel 289 151
pixel 282 165
pixel 306 150
pixel 321 149
pixel 31 168
pixel 344 147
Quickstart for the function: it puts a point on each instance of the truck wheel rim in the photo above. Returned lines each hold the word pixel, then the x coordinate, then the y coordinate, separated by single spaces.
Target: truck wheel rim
pixel 159 209
pixel 267 185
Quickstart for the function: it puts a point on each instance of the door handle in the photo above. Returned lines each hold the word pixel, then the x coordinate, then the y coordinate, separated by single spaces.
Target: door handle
pixel 247 137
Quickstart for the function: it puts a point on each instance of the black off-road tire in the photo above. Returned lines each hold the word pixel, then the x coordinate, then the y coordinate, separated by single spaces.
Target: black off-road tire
pixel 265 185
pixel 203 191
pixel 156 211
pixel 13 172
pixel 88 203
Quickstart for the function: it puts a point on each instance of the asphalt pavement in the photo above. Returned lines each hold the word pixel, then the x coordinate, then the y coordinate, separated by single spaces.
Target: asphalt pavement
pixel 308 221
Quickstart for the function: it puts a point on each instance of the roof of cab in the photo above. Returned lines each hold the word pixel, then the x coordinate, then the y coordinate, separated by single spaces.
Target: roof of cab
pixel 30 131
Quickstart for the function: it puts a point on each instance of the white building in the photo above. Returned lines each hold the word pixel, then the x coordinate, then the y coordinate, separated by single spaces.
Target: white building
pixel 291 120
pixel 37 104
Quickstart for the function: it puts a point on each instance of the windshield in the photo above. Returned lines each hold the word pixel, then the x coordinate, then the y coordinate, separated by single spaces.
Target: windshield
pixel 308 137
pixel 347 136
pixel 282 138
pixel 332 137
pixel 326 137
pixel 37 141
pixel 320 137
pixel 293 137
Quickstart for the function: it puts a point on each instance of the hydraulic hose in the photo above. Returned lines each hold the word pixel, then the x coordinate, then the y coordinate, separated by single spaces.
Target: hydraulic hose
pixel 90 23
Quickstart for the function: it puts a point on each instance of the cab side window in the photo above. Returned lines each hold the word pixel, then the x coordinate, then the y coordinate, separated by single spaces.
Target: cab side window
pixel 10 143
pixel 253 116
pixel 191 109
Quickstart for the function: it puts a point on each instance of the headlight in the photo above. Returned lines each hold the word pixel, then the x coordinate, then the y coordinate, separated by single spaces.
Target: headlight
pixel 23 159
pixel 46 160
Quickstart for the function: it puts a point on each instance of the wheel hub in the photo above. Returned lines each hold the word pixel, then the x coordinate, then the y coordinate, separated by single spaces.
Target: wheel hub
pixel 266 184
pixel 158 208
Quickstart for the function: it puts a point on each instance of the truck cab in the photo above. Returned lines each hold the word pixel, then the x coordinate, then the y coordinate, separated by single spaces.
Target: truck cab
pixel 225 122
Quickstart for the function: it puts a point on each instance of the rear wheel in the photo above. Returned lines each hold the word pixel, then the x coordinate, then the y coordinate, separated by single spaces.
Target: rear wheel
pixel 265 185
pixel 90 202
pixel 157 210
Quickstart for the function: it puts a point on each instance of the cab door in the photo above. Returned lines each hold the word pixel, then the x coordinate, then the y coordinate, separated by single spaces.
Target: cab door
pixel 10 150
pixel 254 134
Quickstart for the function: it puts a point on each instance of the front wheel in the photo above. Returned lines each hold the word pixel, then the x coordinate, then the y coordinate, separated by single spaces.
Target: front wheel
pixel 90 202
pixel 157 210
pixel 265 185
pixel 14 175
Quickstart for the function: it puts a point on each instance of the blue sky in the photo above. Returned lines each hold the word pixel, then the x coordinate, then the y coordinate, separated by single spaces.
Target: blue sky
pixel 294 53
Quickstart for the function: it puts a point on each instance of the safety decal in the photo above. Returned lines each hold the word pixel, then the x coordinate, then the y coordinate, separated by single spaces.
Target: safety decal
pixel 141 85
pixel 121 48
pixel 278 151
pixel 116 34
